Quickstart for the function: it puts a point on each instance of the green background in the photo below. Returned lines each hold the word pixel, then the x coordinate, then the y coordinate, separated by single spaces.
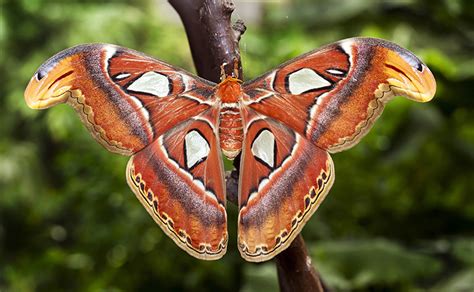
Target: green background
pixel 400 215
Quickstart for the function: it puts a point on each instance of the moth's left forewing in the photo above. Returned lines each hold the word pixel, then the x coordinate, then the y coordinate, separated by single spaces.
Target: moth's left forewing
pixel 290 92
pixel 379 70
pixel 333 96
pixel 284 178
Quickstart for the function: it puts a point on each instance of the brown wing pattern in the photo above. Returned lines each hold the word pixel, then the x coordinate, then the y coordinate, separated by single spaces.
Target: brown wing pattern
pixel 124 98
pixel 284 178
pixel 333 96
pixel 179 180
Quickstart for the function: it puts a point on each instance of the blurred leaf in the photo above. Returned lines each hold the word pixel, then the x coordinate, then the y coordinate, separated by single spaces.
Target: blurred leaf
pixel 461 282
pixel 463 250
pixel 261 277
pixel 370 263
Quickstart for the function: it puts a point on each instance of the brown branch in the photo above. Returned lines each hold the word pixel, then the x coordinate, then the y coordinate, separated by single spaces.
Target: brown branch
pixel 211 37
pixel 295 269
pixel 214 41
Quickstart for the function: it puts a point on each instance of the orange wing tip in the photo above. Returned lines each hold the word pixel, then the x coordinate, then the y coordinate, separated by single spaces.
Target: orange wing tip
pixel 283 240
pixel 37 97
pixel 204 252
pixel 50 86
pixel 414 82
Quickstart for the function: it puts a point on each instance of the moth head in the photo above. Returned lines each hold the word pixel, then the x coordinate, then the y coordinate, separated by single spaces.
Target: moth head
pixel 408 76
pixel 51 84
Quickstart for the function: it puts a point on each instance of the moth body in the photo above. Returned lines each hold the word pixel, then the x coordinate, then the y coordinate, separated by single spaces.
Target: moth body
pixel 231 131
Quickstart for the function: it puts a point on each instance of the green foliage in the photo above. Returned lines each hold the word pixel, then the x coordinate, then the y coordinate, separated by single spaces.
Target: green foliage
pixel 400 215
pixel 461 281
pixel 372 263
pixel 261 277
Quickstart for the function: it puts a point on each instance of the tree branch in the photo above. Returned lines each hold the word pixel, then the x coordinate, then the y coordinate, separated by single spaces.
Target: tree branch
pixel 211 37
pixel 295 269
pixel 214 42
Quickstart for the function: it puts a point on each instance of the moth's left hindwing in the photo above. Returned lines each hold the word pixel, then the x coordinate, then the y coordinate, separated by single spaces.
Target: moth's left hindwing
pixel 126 99
pixel 179 180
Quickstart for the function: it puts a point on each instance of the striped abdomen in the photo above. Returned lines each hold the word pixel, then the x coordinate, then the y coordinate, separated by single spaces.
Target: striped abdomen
pixel 231 132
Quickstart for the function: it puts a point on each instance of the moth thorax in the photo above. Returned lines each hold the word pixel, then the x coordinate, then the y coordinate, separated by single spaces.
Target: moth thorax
pixel 231 132
pixel 229 90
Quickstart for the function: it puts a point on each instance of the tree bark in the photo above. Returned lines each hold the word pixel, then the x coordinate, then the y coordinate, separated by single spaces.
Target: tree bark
pixel 295 269
pixel 214 43
pixel 213 40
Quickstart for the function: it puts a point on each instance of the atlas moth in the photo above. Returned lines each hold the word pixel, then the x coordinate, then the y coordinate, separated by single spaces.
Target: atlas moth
pixel 283 125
